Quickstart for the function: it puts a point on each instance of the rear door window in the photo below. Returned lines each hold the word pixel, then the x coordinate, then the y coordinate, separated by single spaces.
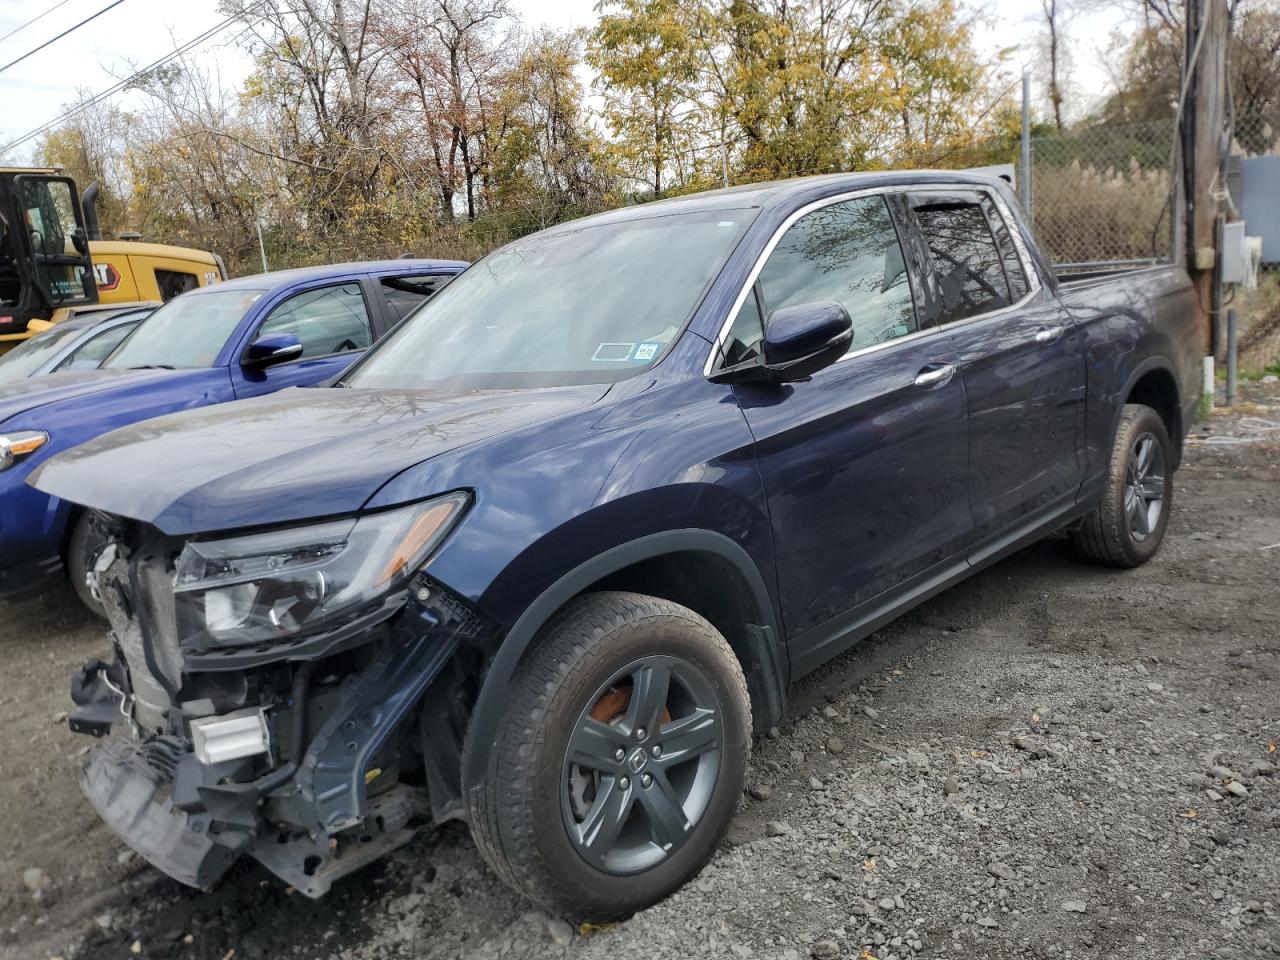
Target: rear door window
pixel 326 321
pixel 406 294
pixel 966 261
pixel 1014 270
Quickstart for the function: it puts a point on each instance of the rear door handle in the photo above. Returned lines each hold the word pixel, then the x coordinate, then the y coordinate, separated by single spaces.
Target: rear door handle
pixel 932 376
pixel 1048 334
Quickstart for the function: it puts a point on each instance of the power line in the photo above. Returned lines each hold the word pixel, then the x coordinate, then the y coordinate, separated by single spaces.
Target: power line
pixel 22 26
pixel 116 88
pixel 71 29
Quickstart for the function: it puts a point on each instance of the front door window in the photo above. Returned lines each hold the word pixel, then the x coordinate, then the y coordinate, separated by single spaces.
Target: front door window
pixel 326 321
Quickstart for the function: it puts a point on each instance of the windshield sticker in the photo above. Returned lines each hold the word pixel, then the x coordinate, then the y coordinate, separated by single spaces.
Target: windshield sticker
pixel 613 352
pixel 647 351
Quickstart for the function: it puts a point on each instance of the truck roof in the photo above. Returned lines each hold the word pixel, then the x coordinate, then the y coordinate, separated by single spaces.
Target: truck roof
pixel 787 191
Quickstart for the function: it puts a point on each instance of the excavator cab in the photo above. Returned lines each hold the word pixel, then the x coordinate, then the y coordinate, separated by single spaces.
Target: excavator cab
pixel 44 248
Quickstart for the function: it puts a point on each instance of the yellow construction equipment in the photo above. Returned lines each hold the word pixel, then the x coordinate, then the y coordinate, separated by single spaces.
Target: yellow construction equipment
pixel 54 263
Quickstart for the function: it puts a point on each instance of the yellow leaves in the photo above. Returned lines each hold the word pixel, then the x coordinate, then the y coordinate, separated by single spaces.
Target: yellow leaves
pixel 1190 814
pixel 869 864
pixel 589 929
pixel 1271 747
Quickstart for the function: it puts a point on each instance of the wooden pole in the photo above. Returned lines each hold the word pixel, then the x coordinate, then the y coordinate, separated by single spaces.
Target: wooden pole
pixel 1203 116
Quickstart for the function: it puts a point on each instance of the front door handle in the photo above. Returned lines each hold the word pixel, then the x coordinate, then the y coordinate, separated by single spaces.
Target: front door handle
pixel 932 376
pixel 1048 334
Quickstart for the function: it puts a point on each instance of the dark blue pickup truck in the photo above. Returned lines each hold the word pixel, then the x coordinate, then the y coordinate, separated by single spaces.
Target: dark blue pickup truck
pixel 240 338
pixel 546 556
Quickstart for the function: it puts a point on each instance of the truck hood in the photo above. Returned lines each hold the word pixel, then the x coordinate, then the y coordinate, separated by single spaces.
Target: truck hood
pixel 20 396
pixel 298 454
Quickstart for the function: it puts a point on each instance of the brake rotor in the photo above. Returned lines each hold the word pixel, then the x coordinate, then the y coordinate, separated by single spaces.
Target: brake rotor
pixel 610 709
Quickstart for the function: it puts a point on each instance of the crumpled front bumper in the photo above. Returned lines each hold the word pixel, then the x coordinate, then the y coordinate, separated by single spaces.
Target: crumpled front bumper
pixel 319 812
pixel 130 798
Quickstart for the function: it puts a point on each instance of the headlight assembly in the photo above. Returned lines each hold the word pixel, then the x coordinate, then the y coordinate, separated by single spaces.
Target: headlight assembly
pixel 20 443
pixel 263 587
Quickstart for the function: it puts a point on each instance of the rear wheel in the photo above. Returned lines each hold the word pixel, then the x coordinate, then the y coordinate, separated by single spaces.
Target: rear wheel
pixel 620 761
pixel 83 548
pixel 1126 527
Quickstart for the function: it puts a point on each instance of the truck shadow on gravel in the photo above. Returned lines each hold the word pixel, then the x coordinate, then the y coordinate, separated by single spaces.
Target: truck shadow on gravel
pixel 442 878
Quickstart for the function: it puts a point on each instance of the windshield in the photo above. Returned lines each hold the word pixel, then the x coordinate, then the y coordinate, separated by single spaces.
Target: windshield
pixel 187 333
pixel 595 304
pixel 26 358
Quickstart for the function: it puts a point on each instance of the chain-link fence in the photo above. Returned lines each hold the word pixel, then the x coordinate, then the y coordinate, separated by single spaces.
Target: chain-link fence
pixel 1100 194
pixel 1101 197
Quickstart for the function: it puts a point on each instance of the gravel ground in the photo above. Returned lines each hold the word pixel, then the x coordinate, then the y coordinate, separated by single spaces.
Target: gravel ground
pixel 1050 760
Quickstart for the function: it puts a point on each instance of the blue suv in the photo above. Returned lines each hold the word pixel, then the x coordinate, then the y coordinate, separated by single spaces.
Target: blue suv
pixel 239 338
pixel 545 557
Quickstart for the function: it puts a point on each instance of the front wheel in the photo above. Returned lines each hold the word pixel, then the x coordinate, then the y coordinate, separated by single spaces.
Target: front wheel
pixel 1126 527
pixel 83 548
pixel 618 766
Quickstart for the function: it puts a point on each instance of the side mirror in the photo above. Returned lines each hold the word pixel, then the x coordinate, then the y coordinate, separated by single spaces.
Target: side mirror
pixel 270 350
pixel 799 341
pixel 80 242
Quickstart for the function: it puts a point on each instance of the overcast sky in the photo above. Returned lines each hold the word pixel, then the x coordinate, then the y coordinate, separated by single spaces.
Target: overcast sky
pixel 138 32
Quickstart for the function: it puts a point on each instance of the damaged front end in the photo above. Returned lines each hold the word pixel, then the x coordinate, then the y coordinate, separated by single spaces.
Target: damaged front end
pixel 296 695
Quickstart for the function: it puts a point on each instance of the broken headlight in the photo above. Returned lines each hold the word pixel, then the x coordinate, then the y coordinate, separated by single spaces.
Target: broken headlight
pixel 264 587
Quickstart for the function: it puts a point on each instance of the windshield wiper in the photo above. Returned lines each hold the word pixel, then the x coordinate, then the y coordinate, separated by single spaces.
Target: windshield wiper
pixel 154 366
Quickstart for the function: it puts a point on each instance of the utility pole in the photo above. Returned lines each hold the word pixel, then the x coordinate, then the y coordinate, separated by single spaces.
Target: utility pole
pixel 1202 114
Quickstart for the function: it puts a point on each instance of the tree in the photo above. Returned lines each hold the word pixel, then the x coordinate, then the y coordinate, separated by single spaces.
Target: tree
pixel 646 58
pixel 90 147
pixel 547 159
pixel 1054 14
pixel 945 96
pixel 448 57
pixel 1148 83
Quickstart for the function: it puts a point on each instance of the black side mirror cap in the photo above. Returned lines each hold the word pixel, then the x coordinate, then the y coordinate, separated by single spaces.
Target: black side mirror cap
pixel 274 348
pixel 798 342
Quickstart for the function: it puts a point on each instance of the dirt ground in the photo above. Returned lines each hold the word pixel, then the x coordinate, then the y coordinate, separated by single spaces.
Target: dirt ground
pixel 1051 760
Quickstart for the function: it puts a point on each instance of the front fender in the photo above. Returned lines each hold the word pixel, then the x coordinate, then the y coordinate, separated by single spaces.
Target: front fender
pixel 495 693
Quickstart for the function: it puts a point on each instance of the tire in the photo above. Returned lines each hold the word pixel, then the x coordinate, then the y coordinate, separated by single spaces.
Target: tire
pixel 532 816
pixel 1119 531
pixel 80 555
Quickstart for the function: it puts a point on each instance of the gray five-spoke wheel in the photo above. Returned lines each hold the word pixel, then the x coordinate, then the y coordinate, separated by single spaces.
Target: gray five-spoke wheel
pixel 1144 480
pixel 641 764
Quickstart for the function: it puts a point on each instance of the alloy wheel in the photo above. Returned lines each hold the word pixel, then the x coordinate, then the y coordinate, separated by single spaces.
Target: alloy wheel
pixel 1144 480
pixel 641 764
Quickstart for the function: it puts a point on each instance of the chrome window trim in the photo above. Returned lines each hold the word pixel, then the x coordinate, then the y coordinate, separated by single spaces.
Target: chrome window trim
pixel 1033 277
